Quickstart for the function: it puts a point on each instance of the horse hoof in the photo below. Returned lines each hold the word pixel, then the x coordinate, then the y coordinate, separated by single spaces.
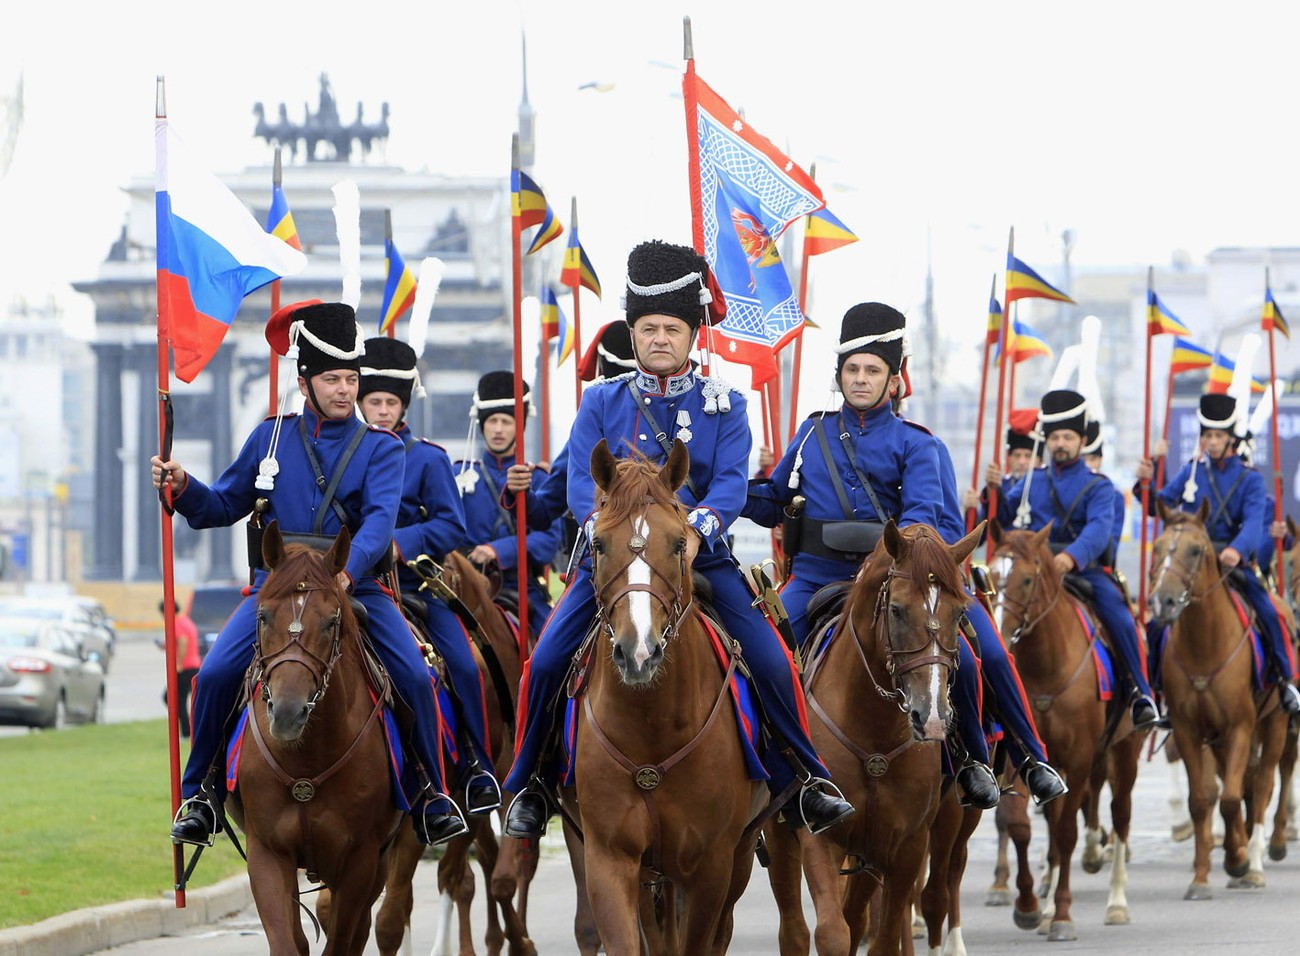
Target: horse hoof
pixel 1094 865
pixel 1182 832
pixel 998 896
pixel 1277 852
pixel 1062 931
pixel 1199 891
pixel 1238 871
pixel 1117 916
pixel 1251 881
pixel 1027 921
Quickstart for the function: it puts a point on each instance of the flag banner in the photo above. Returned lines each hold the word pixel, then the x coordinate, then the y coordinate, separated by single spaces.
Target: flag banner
pixel 1272 318
pixel 1160 321
pixel 1024 283
pixel 1221 369
pixel 550 313
pixel 530 205
pixel 279 221
pixel 1024 343
pixel 750 192
pixel 577 270
pixel 994 334
pixel 1188 357
pixel 211 254
pixel 825 232
pixel 399 287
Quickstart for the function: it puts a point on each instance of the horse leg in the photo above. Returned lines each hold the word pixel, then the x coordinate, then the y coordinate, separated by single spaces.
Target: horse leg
pixel 934 896
pixel 1232 758
pixel 821 866
pixel 1065 834
pixel 275 886
pixel 1286 768
pixel 394 915
pixel 999 893
pixel 584 921
pixel 354 890
pixel 1025 910
pixel 785 874
pixel 1273 738
pixel 1123 765
pixel 1202 791
pixel 862 896
pixel 955 943
pixel 485 842
pixel 1180 825
pixel 742 865
pixel 613 887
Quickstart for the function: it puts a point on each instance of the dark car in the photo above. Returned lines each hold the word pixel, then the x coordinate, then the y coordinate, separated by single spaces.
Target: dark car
pixel 209 607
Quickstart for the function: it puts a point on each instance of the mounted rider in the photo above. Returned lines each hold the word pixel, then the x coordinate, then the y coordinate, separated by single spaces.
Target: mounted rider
pixel 325 470
pixel 644 412
pixel 1080 507
pixel 1236 498
pixel 430 521
pixel 1093 447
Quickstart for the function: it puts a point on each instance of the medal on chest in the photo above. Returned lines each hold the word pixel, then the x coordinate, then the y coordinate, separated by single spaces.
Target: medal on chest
pixel 684 426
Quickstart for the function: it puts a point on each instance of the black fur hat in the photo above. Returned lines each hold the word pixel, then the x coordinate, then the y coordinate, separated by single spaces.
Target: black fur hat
pixel 1217 411
pixel 389 365
pixel 667 279
pixel 1063 408
pixel 872 328
pixel 609 354
pixel 1092 439
pixel 1017 440
pixel 326 334
pixel 495 395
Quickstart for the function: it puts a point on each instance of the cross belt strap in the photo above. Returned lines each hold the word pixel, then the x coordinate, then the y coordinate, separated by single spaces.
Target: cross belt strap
pixel 330 488
pixel 661 436
pixel 1065 514
pixel 1222 500
pixel 881 514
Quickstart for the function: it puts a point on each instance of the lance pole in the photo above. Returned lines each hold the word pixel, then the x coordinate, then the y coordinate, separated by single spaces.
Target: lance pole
pixel 274 368
pixel 1146 452
pixel 1002 377
pixel 577 311
pixel 979 418
pixel 1280 577
pixel 521 506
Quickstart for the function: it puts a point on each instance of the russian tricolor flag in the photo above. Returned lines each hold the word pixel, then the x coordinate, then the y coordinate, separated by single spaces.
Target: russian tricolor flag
pixel 211 253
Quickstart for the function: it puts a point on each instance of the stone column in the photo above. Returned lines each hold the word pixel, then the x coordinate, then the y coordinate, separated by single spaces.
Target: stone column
pixel 106 542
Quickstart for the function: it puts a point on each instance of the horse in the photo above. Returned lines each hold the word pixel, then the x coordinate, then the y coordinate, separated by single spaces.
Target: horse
pixel 1053 650
pixel 1206 666
pixel 660 774
pixel 879 741
pixel 315 791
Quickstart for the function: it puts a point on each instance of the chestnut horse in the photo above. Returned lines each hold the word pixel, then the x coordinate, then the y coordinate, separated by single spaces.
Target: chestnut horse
pixel 941 896
pixel 660 775
pixel 880 696
pixel 1208 684
pixel 314 786
pixel 1054 655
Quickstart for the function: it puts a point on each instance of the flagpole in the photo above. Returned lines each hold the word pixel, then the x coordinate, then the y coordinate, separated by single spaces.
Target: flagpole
pixel 693 169
pixel 274 371
pixel 1002 376
pixel 1279 578
pixel 1146 452
pixel 979 419
pixel 797 360
pixel 521 512
pixel 164 452
pixel 577 313
pixel 545 415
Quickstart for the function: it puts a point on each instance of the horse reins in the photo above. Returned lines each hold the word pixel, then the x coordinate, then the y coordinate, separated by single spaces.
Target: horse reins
pixel 674 608
pixel 1185 576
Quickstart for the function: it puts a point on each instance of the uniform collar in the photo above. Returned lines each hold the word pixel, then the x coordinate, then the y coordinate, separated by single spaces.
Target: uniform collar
pixel 326 427
pixel 667 385
pixel 864 419
pixel 1062 470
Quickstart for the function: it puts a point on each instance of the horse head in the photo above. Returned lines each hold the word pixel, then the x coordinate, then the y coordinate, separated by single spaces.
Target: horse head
pixel 302 614
pixel 639 557
pixel 1182 553
pixel 918 613
pixel 1027 581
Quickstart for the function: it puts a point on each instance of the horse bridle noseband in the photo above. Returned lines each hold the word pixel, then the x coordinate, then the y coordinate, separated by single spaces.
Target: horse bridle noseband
pixel 1185 577
pixel 1022 607
pixel 319 668
pixel 676 611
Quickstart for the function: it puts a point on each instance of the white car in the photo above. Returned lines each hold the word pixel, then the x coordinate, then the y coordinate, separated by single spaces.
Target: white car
pixel 47 678
pixel 72 612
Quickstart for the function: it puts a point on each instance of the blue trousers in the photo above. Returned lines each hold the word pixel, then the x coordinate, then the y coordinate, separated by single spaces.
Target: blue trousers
pixel 775 679
pixel 1271 625
pixel 219 683
pixel 1113 610
pixel 967 702
pixel 453 643
pixel 1010 703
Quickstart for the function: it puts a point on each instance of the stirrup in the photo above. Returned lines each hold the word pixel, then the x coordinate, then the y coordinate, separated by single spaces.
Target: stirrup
pixel 477 774
pixel 827 788
pixel 202 800
pixel 419 820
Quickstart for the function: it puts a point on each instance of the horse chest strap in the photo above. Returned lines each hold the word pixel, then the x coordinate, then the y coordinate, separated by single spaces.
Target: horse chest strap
pixel 303 790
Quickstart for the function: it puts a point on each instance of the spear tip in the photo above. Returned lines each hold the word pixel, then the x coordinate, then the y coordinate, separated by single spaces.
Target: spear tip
pixel 688 41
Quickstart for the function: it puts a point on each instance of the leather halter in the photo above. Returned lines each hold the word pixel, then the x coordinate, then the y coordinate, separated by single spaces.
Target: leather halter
pixel 1186 576
pixel 1022 608
pixel 319 668
pixel 673 606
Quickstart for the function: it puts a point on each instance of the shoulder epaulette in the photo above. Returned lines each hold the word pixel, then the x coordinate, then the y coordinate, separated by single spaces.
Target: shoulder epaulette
pixel 271 418
pixel 386 431
pixel 433 443
pixel 823 414
pixel 917 425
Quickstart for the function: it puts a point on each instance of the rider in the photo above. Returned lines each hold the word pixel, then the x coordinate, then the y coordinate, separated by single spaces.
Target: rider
pixel 1236 497
pixel 489 526
pixel 856 468
pixel 1092 457
pixel 326 437
pixel 1079 505
pixel 642 412
pixel 430 521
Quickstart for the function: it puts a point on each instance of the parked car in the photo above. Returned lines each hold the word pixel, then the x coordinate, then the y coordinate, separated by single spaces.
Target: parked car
pixel 209 607
pixel 47 677
pixel 99 617
pixel 73 614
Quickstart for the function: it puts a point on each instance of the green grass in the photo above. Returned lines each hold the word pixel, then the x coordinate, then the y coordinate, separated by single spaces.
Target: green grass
pixel 84 815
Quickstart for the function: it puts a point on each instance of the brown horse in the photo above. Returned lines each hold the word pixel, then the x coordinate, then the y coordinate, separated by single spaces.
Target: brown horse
pixel 660 775
pixel 880 696
pixel 1054 655
pixel 314 786
pixel 1206 667
pixel 941 896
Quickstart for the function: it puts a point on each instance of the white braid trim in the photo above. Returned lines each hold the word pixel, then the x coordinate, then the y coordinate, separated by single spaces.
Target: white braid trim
pixel 1225 425
pixel 613 359
pixel 391 372
pixel 301 330
pixel 479 404
pixel 1093 448
pixel 662 287
pixel 1081 408
pixel 857 343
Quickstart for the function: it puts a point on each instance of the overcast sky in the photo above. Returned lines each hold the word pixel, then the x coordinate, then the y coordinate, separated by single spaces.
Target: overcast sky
pixel 1143 127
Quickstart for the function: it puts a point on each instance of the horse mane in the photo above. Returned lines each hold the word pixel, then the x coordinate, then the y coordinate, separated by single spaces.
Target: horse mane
pixel 301 563
pixel 930 559
pixel 637 480
pixel 468 578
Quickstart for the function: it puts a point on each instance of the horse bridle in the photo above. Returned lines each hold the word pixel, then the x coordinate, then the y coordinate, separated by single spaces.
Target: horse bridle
pixel 636 547
pixel 319 668
pixel 1022 608
pixel 1185 576
pixel 895 670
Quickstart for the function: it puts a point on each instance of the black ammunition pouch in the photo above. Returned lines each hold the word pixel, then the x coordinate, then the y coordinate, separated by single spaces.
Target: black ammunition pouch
pixel 839 540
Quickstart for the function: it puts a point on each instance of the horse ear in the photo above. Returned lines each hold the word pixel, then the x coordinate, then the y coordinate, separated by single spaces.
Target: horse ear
pixel 895 543
pixel 963 548
pixel 674 472
pixel 1163 510
pixel 603 466
pixel 272 546
pixel 337 556
pixel 995 531
pixel 1203 511
pixel 1041 536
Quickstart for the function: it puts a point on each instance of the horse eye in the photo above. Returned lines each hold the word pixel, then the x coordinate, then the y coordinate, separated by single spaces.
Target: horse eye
pixel 680 546
pixel 598 545
pixel 898 611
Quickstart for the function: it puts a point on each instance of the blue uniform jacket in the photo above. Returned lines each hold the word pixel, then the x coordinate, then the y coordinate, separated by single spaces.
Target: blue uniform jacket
pixel 952 522
pixel 431 484
pixel 885 447
pixel 719 442
pixel 1241 522
pixel 548 497
pixel 1092 521
pixel 486 521
pixel 369 491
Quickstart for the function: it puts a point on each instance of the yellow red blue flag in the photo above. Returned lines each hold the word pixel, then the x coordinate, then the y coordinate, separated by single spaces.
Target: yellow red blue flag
pixel 1160 321
pixel 825 232
pixel 399 287
pixel 529 204
pixel 279 221
pixel 1024 283
pixel 1272 318
pixel 577 270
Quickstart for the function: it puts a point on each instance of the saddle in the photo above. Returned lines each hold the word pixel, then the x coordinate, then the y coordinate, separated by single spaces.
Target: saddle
pixel 824 608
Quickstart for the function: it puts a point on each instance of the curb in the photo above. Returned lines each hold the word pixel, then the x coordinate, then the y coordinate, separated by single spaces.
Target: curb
pixel 99 927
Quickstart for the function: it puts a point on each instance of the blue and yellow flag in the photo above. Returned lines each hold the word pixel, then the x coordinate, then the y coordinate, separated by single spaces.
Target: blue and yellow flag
pixel 577 269
pixel 1272 318
pixel 399 288
pixel 1024 343
pixel 1160 321
pixel 1221 370
pixel 279 221
pixel 556 325
pixel 1024 283
pixel 994 334
pixel 1188 357
pixel 530 205
pixel 825 232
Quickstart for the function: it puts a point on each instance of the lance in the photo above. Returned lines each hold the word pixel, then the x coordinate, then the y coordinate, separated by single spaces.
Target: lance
pixel 797 360
pixel 165 423
pixel 274 373
pixel 979 418
pixel 1002 377
pixel 705 338
pixel 1146 455
pixel 577 316
pixel 521 506
pixel 544 385
pixel 1280 577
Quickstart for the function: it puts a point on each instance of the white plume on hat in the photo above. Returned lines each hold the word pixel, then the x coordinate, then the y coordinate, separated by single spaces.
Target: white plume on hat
pixel 347 224
pixel 1066 366
pixel 1089 351
pixel 1242 375
pixel 426 290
